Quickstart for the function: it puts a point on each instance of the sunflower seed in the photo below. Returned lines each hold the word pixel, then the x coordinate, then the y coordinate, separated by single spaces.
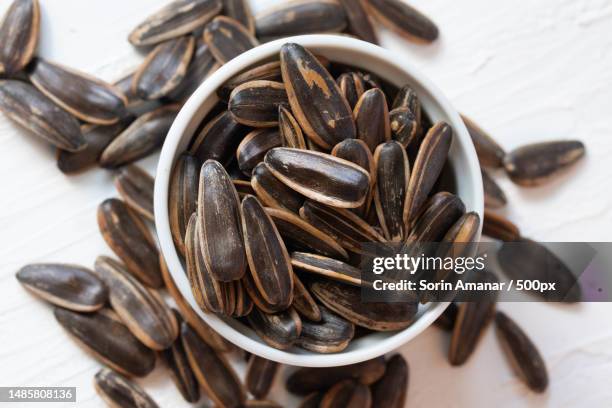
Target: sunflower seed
pixel 446 321
pixel 347 394
pixel 202 64
pixel 134 102
pixel 256 103
pixel 494 196
pixel 141 138
pixel 240 11
pixel 404 128
pixel 372 118
pixel 315 98
pixel 143 311
pixel 164 68
pixel 441 212
pixel 535 164
pixel 403 19
pixel 328 267
pixel 130 239
pixel 351 86
pixel 303 301
pixel 359 23
pixel 69 286
pixel 19 35
pixel 28 107
pixel 104 336
pixel 183 197
pixel 356 151
pixel 290 131
pixel 244 303
pixel 489 152
pixel 243 188
pixel 219 139
pixel 219 226
pixel 498 227
pixel 270 71
pixel 273 193
pixel 319 176
pixel 118 391
pixel 260 375
pixel 300 17
pixel 174 20
pixel 391 187
pixel 407 98
pixel 331 334
pixel 427 168
pixel 390 391
pixel 254 147
pixel 212 371
pixel 279 330
pixel 227 38
pixel 522 353
pixel 136 187
pixel 255 295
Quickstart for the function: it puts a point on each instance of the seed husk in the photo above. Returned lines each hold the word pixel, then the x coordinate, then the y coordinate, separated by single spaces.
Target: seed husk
pixel 269 71
pixel 219 139
pixel 391 188
pixel 142 311
pixel 347 394
pixel 135 186
pixel 68 286
pixel 104 336
pixel 240 11
pixel 527 259
pixel 183 197
pixel 405 128
pixel 359 23
pixel 327 267
pixel 28 107
pixel 372 118
pixel 85 97
pixel 256 103
pixel 260 375
pixel 290 131
pixel 315 98
pixel 212 371
pixel 522 353
pixel 272 192
pixel 535 164
pixel 269 261
pixel 331 334
pixel 345 300
pixel 254 147
pixel 19 33
pixel 279 330
pixel 407 98
pixel 202 64
pixel 308 380
pixel 499 227
pixel 243 301
pixel 227 38
pixel 404 20
pixel 124 85
pixel 300 235
pixel 164 68
pixel 351 86
pixel 356 151
pixel 256 297
pixel 130 239
pixel 441 211
pixel 118 391
pixel 141 138
pixel 219 226
pixel 300 17
pixel 446 321
pixel 489 152
pixel 243 187
pixel 303 302
pixel 319 176
pixel 390 391
pixel 494 196
pixel 174 20
pixel 427 168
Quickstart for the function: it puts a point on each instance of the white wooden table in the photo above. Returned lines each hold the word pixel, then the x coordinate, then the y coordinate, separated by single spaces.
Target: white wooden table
pixel 525 70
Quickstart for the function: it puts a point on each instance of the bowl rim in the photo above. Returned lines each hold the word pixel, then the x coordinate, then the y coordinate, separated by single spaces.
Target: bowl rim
pixel 166 161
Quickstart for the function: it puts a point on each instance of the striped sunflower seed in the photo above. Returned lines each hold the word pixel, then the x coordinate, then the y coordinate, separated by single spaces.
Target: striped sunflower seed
pixel 118 391
pixel 240 11
pixel 327 267
pixel 290 130
pixel 331 334
pixel 243 187
pixel 256 103
pixel 351 86
pixel 404 20
pixel 218 139
pixel 356 151
pixel 372 118
pixel 347 394
pixel 124 85
pixel 494 196
pixel 254 146
pixel 269 71
pixel 227 38
pixel 391 390
pixel 499 227
pixel 183 197
pixel 202 64
pixel 359 23
pixel 407 98
pixel 260 375
pixel 243 302
pixel 405 128
pixel 303 302
pixel 279 330
pixel 135 186
pixel 19 33
pixel 272 192
pixel 489 152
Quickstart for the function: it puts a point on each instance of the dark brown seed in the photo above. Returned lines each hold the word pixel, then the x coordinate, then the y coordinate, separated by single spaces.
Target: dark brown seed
pixel 272 192
pixel 227 38
pixel 219 228
pixel 202 64
pixel 104 336
pixel 372 118
pixel 498 227
pixel 164 68
pixel 315 98
pixel 312 400
pixel 124 85
pixel 136 188
pixel 130 239
pixel 307 380
pixel 346 301
pixel 319 176
pixel 269 261
pixel 289 128
pixel 347 394
pixel 441 212
pixel 97 138
pixel 219 139
pixel 391 188
pixel 254 146
pixel 85 97
pixel 69 286
pixel 28 107
pixel 522 353
pixel 303 301
pixel 244 303
pixel 183 197
pixel 253 292
pixel 174 20
pixel 489 152
pixel 408 98
pixel 240 11
pixel 279 330
pixel 535 164
pixel 270 71
pixel 427 168
pixel 446 321
pixel 404 20
pixel 404 128
pixel 527 259
pixel 143 311
pixel 390 391
pixel 331 334
pixel 243 188
pixel 351 86
pixel 19 35
pixel 356 151
pixel 212 371
pixel 302 236
pixel 256 103
pixel 118 391
pixel 494 196
pixel 328 267
pixel 260 376
pixel 300 17
pixel 359 23
pixel 141 138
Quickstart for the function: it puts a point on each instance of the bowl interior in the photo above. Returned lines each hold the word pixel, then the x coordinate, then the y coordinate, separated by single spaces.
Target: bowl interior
pixel 358 54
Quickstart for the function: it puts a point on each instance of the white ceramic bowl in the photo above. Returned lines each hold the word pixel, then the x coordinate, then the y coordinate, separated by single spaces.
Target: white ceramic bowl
pixel 393 68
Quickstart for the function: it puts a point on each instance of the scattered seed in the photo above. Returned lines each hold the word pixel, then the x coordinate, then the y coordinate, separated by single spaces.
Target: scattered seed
pixel 359 23
pixel 498 227
pixel 240 11
pixel 391 390
pixel 136 187
pixel 404 20
pixel 446 321
pixel 347 394
pixel 227 38
pixel 260 375
pixel 489 152
pixel 19 33
pixel 494 196
pixel 202 64
pixel 118 391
